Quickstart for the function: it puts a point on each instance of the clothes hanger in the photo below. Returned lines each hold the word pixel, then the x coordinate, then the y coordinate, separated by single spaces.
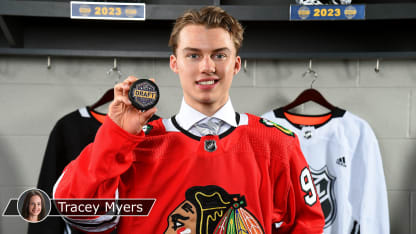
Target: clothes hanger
pixel 107 97
pixel 109 94
pixel 310 94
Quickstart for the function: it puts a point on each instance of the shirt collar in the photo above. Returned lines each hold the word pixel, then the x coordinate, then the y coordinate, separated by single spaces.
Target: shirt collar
pixel 188 116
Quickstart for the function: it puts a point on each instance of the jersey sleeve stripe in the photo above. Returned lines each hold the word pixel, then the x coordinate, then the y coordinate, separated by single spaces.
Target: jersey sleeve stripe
pixel 95 227
pixel 102 223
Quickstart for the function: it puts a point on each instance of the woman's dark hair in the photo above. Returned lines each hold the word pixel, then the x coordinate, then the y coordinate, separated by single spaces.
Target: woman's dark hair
pixel 26 203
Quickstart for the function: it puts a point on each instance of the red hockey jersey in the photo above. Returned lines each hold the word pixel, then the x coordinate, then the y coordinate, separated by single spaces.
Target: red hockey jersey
pixel 250 179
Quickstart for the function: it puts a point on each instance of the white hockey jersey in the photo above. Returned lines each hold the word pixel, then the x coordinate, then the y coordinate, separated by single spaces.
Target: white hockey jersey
pixel 344 158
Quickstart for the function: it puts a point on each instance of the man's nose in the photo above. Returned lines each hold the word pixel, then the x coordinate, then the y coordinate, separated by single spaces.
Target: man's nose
pixel 207 65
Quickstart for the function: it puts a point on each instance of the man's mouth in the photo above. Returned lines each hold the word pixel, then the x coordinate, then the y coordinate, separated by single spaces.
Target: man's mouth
pixel 207 82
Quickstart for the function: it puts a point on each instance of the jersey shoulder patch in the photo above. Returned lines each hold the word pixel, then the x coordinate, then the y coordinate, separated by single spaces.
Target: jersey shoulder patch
pixel 271 124
pixel 147 128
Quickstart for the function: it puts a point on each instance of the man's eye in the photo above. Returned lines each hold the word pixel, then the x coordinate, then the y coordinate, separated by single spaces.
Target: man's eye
pixel 177 225
pixel 220 56
pixel 175 221
pixel 193 56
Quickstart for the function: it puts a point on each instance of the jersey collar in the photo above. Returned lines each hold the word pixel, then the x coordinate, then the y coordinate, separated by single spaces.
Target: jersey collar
pixel 198 138
pixel 280 113
pixel 188 116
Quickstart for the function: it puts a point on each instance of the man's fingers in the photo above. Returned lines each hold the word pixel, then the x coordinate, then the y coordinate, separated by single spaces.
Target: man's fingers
pixel 122 99
pixel 122 89
pixel 149 113
pixel 131 79
pixel 118 89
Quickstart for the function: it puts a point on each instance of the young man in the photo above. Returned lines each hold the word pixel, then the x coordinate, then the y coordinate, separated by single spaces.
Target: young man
pixel 210 169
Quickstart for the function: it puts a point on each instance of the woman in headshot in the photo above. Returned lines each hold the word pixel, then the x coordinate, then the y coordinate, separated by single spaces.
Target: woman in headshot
pixel 34 206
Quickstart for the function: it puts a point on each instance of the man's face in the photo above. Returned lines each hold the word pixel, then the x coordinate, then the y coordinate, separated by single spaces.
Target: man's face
pixel 182 220
pixel 206 63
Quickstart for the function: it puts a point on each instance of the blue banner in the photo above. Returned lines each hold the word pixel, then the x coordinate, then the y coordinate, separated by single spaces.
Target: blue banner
pixel 327 12
pixel 108 11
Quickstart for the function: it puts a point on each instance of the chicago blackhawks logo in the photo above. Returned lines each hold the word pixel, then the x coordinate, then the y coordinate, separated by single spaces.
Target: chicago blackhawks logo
pixel 324 184
pixel 211 210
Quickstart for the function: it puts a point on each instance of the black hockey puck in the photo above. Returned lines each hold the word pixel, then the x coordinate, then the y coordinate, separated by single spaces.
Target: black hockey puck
pixel 144 94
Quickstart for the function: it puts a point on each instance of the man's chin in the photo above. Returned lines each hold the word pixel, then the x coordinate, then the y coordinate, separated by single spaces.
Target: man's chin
pixel 207 101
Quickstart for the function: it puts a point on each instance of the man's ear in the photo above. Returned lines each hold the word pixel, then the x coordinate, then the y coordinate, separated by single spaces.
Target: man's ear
pixel 237 65
pixel 173 63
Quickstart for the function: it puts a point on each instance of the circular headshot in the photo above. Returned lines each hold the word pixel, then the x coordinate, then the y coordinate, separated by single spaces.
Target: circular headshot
pixel 34 205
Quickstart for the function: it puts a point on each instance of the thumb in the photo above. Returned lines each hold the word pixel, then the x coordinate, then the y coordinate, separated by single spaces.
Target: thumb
pixel 148 114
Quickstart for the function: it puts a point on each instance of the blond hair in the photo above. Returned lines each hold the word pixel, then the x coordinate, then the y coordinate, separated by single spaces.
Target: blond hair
pixel 210 17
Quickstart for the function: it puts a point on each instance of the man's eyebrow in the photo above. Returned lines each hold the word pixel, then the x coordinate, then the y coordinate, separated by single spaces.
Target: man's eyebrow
pixel 222 49
pixel 187 207
pixel 198 50
pixel 175 217
pixel 191 49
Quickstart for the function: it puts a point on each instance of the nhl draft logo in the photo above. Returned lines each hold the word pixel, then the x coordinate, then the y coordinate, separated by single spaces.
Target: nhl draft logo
pixel 324 184
pixel 143 94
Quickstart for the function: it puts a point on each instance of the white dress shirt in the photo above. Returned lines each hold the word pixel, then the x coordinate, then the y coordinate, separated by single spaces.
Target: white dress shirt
pixel 188 117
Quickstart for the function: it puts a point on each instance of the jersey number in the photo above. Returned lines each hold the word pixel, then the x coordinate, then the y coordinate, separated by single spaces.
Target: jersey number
pixel 306 183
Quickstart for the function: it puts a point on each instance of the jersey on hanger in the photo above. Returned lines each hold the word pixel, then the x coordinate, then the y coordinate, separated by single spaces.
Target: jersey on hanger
pixel 251 179
pixel 344 158
pixel 69 136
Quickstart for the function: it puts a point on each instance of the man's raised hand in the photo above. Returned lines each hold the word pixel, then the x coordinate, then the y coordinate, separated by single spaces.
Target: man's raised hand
pixel 123 113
